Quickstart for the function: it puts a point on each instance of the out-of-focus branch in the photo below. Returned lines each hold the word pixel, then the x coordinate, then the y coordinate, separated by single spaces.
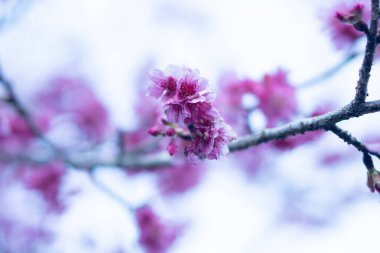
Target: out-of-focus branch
pixel 351 140
pixel 15 102
pixel 107 191
pixel 329 72
pixel 86 162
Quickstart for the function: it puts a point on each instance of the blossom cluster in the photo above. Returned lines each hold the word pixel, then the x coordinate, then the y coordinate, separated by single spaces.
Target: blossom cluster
pixel 187 105
pixel 273 96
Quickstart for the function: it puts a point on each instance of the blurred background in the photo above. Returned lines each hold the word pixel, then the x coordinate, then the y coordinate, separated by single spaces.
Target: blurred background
pixel 312 198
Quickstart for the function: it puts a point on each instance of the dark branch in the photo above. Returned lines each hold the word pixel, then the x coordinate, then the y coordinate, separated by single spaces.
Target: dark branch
pixel 322 122
pixel 351 140
pixel 14 101
pixel 364 73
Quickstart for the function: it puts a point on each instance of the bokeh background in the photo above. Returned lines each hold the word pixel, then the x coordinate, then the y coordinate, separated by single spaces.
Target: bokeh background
pixel 294 204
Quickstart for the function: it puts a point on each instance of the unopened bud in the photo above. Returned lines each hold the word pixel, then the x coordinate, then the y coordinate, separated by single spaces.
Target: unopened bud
pixel 154 131
pixel 170 132
pixel 353 16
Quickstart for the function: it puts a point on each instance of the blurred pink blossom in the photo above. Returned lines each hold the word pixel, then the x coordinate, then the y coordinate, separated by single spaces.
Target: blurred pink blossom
pixel 180 177
pixel 72 97
pixel 342 32
pixel 277 98
pixel 15 134
pixel 45 179
pixel 155 236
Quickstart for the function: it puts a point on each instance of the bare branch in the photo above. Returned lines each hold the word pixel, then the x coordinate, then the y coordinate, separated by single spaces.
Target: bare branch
pixel 351 140
pixel 364 73
pixel 86 162
pixel 322 122
pixel 107 191
pixel 14 101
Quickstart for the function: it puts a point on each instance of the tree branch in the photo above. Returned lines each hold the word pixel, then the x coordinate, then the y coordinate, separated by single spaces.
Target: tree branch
pixel 14 101
pixel 322 122
pixel 364 73
pixel 356 108
pixel 107 191
pixel 19 107
pixel 83 162
pixel 351 140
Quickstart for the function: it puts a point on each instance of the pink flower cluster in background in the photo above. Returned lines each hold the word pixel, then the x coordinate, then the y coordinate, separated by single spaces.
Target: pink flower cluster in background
pixel 187 105
pixel 340 23
pixel 47 180
pixel 155 235
pixel 71 97
pixel 273 95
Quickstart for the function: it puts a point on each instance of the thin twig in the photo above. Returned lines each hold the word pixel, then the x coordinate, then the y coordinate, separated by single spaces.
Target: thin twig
pixel 351 140
pixel 106 190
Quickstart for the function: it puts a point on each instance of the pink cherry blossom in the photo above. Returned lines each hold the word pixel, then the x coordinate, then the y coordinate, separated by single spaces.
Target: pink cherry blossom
pixel 191 107
pixel 190 84
pixel 164 83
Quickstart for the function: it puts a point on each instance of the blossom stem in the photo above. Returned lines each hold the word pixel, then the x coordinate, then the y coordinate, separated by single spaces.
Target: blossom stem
pixel 322 122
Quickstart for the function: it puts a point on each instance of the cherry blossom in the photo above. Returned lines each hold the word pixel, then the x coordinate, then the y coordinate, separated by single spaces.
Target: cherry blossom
pixel 187 104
